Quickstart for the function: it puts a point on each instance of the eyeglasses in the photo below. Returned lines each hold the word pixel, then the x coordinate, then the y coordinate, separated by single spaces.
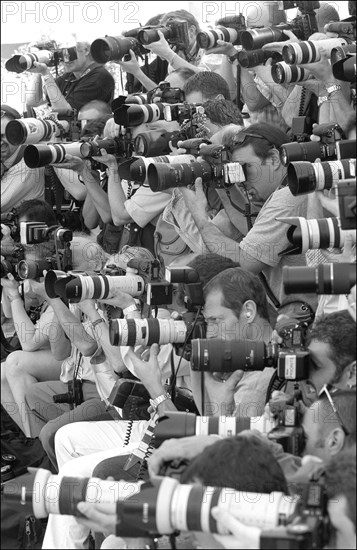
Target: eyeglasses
pixel 327 389
pixel 242 136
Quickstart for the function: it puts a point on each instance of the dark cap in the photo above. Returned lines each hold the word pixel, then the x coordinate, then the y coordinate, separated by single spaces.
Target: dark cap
pixel 9 112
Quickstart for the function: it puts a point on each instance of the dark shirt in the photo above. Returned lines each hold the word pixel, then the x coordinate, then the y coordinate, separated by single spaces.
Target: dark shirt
pixel 98 83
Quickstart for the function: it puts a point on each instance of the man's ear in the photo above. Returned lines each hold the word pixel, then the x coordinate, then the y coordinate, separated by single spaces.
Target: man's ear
pixel 275 157
pixel 335 441
pixel 351 374
pixel 192 31
pixel 219 96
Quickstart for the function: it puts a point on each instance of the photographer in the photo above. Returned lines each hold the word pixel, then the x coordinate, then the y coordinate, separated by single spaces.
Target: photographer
pixel 83 81
pixel 18 182
pixel 256 148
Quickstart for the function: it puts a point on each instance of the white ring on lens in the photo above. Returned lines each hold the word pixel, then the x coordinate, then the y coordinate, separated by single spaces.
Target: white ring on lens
pixel 227 426
pixel 202 425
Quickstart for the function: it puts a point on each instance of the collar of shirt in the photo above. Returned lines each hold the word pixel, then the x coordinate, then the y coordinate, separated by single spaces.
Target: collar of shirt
pixel 70 77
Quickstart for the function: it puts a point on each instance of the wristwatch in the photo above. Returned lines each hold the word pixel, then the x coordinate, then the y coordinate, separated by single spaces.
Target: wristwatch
pixel 129 309
pixel 158 400
pixel 322 100
pixel 333 88
pixel 232 58
pixel 97 321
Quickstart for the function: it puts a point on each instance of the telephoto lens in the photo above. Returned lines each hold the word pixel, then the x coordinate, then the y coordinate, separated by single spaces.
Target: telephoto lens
pixel 111 48
pixel 92 148
pixel 313 234
pixel 144 332
pixel 36 156
pixel 164 506
pixel 322 279
pixel 208 39
pixel 147 36
pixel 255 39
pixel 215 355
pixel 156 142
pixel 310 50
pixel 248 59
pixel 21 63
pixel 40 493
pixel 28 269
pixel 307 151
pixel 166 176
pixel 345 69
pixel 138 168
pixel 186 424
pixel 130 115
pixel 99 287
pixel 33 130
pixel 307 177
pixel 283 73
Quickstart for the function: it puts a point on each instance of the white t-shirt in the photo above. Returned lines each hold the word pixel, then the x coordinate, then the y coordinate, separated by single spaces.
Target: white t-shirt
pixel 21 183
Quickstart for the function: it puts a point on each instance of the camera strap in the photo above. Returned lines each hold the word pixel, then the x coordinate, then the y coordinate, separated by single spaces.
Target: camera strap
pixel 78 366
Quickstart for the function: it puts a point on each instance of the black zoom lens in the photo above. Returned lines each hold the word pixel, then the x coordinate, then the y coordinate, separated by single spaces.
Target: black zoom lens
pixel 166 176
pixel 307 177
pixel 255 39
pixel 111 48
pixel 253 58
pixel 323 279
pixel 306 151
pixel 228 356
pixel 147 36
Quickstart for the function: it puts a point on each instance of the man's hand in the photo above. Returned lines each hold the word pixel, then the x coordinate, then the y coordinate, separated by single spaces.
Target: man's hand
pixel 71 163
pixel 100 517
pixel 196 200
pixel 39 68
pixel 225 48
pixel 132 66
pixel 119 299
pixel 244 536
pixel 108 160
pixel 222 392
pixel 10 286
pixel 161 47
pixel 148 371
pixel 278 46
pixel 111 129
pixel 185 447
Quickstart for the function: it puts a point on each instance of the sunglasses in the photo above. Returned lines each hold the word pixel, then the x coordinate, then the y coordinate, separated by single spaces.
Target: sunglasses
pixel 242 136
pixel 327 389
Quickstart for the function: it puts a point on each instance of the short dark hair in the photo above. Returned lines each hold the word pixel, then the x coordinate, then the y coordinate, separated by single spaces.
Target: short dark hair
pixel 181 14
pixel 210 84
pixel 273 137
pixel 37 210
pixel 242 463
pixel 95 127
pixel 340 479
pixel 345 404
pixel 338 330
pixel 222 112
pixel 238 286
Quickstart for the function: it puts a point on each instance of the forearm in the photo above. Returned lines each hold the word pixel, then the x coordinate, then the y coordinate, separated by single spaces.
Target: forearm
pixel 73 328
pixel 69 180
pixel 117 198
pixel 98 196
pixel 144 80
pixel 34 91
pixel 90 214
pixel 59 342
pixel 58 102
pixel 29 338
pixel 252 97
pixel 178 62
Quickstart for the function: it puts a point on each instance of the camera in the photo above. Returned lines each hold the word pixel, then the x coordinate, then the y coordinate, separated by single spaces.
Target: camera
pixel 307 177
pixel 28 269
pixel 134 115
pixel 36 156
pixel 282 73
pixel 228 356
pixel 288 431
pixel 326 148
pixel 248 59
pixel 346 195
pixel 135 169
pixel 33 130
pixel 185 424
pixel 345 69
pixel 72 219
pixel 99 287
pixel 145 332
pixel 21 63
pixel 345 29
pixel 221 175
pixel 310 50
pixel 168 95
pixel 74 395
pixel 336 278
pixel 229 29
pixel 38 232
pixel 92 147
pixel 175 32
pixel 312 234
pixel 7 267
pixel 113 48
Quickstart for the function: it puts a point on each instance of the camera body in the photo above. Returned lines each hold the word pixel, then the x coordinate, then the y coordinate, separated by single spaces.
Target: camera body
pixel 51 57
pixel 228 29
pixel 74 395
